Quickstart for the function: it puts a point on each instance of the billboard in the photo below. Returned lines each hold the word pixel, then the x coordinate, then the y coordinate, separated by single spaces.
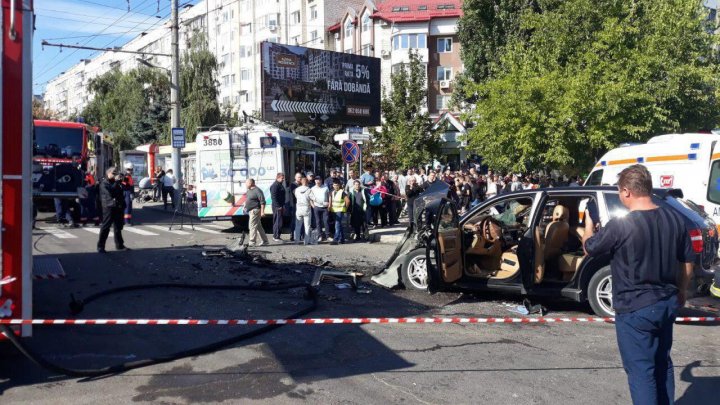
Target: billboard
pixel 312 85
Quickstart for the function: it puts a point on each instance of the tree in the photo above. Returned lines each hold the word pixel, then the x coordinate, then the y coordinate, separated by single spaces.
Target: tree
pixel 132 106
pixel 406 137
pixel 198 86
pixel 591 74
pixel 39 111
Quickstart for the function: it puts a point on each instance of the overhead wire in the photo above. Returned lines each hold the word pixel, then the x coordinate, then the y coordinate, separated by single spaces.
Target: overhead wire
pixel 47 68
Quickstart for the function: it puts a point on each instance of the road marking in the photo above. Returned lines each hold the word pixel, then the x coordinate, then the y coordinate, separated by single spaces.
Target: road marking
pixel 221 227
pixel 96 231
pixel 197 228
pixel 59 233
pixel 165 229
pixel 139 231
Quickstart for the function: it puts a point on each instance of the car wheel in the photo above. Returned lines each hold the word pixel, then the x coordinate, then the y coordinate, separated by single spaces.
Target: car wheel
pixel 600 293
pixel 414 271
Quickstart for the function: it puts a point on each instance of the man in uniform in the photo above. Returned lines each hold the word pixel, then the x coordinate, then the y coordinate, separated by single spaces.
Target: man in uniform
pixel 112 203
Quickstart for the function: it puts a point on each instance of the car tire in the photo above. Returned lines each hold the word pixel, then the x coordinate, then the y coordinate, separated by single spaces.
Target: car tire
pixel 599 293
pixel 414 271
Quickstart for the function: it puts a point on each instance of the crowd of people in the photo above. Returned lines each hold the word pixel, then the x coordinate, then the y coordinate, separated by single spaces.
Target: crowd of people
pixel 376 199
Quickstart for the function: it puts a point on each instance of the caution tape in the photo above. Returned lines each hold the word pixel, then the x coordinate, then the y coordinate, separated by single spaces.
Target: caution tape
pixel 326 321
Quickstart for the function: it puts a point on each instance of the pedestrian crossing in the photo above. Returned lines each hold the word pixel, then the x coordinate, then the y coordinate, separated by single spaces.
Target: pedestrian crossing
pixel 138 230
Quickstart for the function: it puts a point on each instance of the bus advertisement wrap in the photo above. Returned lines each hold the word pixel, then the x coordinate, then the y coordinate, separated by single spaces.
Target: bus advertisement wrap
pixel 312 85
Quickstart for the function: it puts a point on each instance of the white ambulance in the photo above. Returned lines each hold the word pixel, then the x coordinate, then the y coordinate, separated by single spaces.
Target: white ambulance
pixel 689 162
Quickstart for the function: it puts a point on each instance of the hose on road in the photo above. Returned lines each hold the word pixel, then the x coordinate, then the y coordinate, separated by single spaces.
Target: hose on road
pixel 77 306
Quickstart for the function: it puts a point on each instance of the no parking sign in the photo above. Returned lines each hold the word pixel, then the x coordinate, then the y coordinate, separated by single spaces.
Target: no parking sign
pixel 350 152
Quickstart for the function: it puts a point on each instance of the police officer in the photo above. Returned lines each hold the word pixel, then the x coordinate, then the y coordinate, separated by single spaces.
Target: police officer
pixel 112 203
pixel 128 186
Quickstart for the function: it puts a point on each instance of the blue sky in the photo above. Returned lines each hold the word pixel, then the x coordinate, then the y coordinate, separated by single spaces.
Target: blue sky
pixel 96 23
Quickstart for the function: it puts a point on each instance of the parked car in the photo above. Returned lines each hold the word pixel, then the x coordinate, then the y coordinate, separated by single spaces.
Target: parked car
pixel 528 242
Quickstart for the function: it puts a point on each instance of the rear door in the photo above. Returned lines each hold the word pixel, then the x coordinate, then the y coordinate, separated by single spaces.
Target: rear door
pixel 444 251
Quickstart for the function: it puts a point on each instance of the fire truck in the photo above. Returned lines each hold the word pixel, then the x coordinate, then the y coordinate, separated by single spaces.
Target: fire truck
pixel 16 149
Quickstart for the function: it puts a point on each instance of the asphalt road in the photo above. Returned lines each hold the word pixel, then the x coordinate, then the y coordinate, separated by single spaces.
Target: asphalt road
pixel 377 364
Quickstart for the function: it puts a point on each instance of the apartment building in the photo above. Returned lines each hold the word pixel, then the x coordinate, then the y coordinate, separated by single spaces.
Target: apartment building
pixel 234 29
pixel 391 29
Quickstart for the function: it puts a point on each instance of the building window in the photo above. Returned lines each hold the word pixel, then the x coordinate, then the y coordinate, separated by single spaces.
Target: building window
pixel 442 102
pixel 244 74
pixel 313 13
pixel 232 79
pixel 366 22
pixel 295 17
pixel 444 45
pixel 422 8
pixel 414 41
pixel 313 36
pixel 446 7
pixel 226 100
pixel 245 29
pixel 348 29
pixel 366 50
pixel 444 73
pixel 271 20
pixel 226 80
pixel 349 50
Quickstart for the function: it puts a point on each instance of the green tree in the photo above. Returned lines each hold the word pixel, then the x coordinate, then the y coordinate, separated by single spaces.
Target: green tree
pixel 591 74
pixel 132 106
pixel 198 86
pixel 406 137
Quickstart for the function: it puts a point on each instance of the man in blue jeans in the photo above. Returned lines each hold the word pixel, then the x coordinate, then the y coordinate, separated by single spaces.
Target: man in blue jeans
pixel 652 262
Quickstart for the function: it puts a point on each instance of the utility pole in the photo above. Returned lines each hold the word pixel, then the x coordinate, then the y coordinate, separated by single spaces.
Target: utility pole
pixel 175 96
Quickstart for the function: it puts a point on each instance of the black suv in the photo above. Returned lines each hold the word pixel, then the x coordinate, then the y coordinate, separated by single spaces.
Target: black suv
pixel 527 242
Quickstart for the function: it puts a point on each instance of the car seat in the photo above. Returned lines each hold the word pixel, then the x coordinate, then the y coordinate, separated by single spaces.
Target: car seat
pixel 550 247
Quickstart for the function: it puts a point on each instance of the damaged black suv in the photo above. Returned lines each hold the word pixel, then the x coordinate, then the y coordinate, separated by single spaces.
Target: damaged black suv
pixel 528 242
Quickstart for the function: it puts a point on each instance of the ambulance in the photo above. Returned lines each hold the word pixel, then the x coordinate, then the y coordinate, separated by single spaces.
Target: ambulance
pixel 689 162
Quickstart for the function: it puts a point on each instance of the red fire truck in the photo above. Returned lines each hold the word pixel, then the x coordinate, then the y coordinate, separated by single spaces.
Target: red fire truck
pixel 16 147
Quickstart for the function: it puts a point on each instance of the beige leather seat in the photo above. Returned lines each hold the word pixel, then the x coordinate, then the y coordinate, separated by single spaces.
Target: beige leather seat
pixel 568 264
pixel 557 232
pixel 550 247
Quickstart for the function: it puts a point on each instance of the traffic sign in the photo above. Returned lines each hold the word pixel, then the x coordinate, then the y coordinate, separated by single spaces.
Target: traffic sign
pixel 350 152
pixel 360 137
pixel 178 137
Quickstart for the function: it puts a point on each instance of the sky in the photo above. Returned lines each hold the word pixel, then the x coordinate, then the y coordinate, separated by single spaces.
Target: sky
pixel 96 23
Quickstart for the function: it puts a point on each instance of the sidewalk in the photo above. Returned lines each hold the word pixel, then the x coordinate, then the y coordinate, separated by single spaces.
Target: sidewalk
pixel 389 235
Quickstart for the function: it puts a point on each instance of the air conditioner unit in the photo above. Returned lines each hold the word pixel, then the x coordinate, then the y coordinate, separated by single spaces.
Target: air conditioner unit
pixel 444 84
pixel 385 52
pixel 272 27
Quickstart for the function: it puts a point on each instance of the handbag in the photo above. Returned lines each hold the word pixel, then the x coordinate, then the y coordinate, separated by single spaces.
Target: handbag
pixel 376 199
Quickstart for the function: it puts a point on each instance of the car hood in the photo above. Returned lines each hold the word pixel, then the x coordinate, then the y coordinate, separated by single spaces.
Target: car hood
pixel 429 200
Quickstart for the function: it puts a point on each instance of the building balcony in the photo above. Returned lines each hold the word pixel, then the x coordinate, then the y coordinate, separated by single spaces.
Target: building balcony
pixel 403 55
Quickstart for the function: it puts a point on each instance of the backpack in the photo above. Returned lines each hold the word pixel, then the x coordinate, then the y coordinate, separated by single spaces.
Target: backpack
pixel 376 199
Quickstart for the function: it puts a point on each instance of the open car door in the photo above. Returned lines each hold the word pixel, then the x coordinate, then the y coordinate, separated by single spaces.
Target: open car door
pixel 444 252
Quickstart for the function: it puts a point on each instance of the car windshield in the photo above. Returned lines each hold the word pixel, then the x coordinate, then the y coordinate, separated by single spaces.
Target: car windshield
pixel 713 191
pixel 58 142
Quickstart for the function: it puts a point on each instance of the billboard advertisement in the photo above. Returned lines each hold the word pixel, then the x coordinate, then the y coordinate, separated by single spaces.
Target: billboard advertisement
pixel 312 85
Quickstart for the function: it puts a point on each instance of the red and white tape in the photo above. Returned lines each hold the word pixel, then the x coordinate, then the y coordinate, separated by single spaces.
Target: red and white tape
pixel 326 321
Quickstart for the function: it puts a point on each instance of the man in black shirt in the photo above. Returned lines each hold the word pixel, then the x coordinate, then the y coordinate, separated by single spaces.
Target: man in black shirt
pixel 651 267
pixel 277 193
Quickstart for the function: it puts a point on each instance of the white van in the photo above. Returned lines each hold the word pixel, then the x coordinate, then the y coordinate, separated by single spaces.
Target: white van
pixel 690 162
